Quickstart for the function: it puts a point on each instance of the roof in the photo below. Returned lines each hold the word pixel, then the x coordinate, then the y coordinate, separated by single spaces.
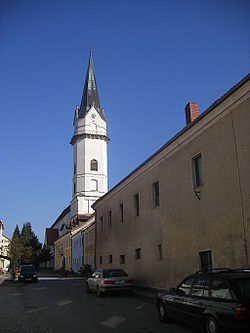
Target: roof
pixel 90 96
pixel 51 235
pixel 64 213
pixel 85 226
pixel 176 136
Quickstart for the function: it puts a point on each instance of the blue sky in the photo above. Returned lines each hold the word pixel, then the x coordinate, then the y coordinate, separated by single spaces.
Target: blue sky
pixel 150 59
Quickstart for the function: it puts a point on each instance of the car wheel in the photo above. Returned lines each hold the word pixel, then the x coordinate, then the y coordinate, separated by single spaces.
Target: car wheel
pixel 98 291
pixel 162 313
pixel 211 325
pixel 87 288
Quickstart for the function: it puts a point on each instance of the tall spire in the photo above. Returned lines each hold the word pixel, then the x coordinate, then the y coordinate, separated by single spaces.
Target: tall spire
pixel 90 95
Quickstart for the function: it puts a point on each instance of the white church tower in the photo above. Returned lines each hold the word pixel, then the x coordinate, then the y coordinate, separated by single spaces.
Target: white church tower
pixel 89 141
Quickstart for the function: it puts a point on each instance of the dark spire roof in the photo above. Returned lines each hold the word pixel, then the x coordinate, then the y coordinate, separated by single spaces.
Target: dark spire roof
pixel 90 95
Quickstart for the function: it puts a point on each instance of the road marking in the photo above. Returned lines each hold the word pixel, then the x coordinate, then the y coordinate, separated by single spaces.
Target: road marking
pixel 64 302
pixel 113 322
pixel 41 288
pixel 37 309
pixel 140 306
pixel 17 294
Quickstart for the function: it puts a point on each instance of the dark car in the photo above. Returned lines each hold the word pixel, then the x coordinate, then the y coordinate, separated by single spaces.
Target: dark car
pixel 214 300
pixel 106 280
pixel 27 273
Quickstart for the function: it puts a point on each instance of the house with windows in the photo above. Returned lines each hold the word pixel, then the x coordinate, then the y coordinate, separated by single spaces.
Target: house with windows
pixel 89 242
pixel 62 256
pixel 187 206
pixel 4 250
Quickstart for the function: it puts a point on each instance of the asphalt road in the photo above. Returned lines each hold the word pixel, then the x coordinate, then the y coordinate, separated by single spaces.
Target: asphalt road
pixel 61 305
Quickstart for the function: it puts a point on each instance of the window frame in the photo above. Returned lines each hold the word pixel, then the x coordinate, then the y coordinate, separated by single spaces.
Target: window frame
pixel 93 165
pixel 136 204
pixel 197 171
pixel 121 209
pixel 155 189
pixel 138 253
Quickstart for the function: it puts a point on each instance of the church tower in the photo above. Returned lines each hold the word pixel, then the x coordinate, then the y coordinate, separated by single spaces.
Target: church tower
pixel 89 141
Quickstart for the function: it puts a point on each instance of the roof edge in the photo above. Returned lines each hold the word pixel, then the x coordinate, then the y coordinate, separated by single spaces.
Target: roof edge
pixel 178 134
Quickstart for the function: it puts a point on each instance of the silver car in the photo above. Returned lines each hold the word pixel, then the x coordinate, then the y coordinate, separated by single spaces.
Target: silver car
pixel 105 280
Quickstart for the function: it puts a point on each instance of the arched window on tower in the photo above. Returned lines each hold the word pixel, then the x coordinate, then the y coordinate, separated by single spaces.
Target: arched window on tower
pixel 94 185
pixel 94 165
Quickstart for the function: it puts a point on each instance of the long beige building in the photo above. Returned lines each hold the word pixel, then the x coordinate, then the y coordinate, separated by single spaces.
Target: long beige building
pixel 187 207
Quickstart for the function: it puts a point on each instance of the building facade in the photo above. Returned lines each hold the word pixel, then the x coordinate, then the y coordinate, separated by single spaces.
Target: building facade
pixel 89 243
pixel 187 206
pixel 83 245
pixel 62 259
pixel 4 250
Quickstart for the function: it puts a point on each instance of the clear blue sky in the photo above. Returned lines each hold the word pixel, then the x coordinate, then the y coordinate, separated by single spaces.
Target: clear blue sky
pixel 150 59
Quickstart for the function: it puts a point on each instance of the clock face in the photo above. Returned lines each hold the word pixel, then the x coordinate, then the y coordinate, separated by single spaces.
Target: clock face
pixel 93 116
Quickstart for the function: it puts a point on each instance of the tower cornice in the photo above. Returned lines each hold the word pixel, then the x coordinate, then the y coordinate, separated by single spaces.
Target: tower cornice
pixel 88 136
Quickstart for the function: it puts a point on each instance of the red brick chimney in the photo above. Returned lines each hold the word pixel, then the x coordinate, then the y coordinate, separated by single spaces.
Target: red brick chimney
pixel 192 112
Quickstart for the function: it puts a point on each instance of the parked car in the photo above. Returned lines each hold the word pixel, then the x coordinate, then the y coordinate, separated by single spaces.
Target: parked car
pixel 214 300
pixel 27 273
pixel 106 280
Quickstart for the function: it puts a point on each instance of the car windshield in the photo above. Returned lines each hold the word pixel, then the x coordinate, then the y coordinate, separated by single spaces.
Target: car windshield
pixel 114 273
pixel 27 269
pixel 244 286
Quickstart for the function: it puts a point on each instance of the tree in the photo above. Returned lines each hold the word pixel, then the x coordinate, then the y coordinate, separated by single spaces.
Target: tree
pixel 31 246
pixel 16 248
pixel 45 254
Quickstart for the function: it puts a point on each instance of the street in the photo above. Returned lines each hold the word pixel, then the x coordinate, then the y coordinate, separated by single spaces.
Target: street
pixel 62 305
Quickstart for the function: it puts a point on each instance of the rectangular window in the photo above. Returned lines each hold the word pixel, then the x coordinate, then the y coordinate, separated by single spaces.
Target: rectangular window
pixel 100 260
pixel 122 259
pixel 121 212
pixel 136 205
pixel 74 168
pixel 110 259
pixel 205 258
pixel 74 187
pixel 159 251
pixel 110 219
pixel 197 168
pixel 156 194
pixel 101 223
pixel 137 253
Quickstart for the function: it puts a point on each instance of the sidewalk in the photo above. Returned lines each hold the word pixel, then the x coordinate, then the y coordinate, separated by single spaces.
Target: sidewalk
pixel 4 277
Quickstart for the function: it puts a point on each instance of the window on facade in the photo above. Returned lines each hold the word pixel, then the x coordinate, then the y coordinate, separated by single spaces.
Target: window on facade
pixel 94 165
pixel 110 259
pixel 205 258
pixel 101 223
pixel 136 205
pixel 74 189
pixel 110 219
pixel 121 212
pixel 74 168
pixel 159 251
pixel 138 253
pixel 122 259
pixel 197 168
pixel 156 194
pixel 94 185
pixel 100 260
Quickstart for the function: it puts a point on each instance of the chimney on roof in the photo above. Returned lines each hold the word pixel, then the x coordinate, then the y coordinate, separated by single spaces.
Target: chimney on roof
pixel 192 112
